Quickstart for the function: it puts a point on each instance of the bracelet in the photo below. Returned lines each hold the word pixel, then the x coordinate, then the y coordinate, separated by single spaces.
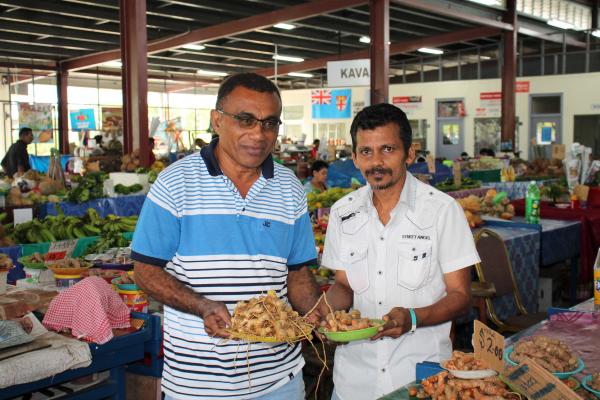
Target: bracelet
pixel 413 320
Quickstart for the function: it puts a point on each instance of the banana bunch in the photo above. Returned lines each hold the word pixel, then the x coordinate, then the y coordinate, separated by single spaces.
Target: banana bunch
pixel 62 227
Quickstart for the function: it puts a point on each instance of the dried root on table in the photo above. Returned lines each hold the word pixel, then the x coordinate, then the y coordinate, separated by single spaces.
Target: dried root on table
pixel 126 278
pixel 445 387
pixel 551 354
pixel 595 381
pixel 5 262
pixel 268 317
pixel 465 362
pixel 36 258
pixel 69 263
pixel 340 321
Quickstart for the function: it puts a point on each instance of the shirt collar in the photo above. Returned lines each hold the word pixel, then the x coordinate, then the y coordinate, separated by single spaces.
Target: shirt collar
pixel 208 155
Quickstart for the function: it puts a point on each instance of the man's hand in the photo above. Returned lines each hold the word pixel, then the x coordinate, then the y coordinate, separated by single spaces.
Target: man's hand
pixel 216 318
pixel 397 323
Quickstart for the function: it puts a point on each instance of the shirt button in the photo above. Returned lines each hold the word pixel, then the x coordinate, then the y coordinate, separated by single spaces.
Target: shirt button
pixel 380 272
pixel 380 303
pixel 382 369
pixel 381 238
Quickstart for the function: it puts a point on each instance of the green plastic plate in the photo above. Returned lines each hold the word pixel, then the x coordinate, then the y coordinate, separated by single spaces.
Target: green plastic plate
pixel 33 265
pixel 351 336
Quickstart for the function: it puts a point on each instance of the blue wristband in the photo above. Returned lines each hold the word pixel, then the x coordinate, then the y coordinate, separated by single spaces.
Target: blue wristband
pixel 413 320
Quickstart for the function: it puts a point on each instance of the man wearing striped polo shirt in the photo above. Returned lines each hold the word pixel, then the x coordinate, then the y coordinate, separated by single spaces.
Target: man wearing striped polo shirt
pixel 221 226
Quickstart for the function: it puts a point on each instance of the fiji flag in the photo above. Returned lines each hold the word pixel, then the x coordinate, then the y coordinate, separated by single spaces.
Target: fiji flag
pixel 328 103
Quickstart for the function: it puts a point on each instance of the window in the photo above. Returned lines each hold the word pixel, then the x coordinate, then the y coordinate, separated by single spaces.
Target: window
pixel 293 112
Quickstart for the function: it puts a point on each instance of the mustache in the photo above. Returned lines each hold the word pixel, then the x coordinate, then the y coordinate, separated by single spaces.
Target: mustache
pixel 378 170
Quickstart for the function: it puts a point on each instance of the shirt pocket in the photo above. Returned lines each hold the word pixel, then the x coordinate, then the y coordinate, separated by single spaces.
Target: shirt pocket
pixel 414 264
pixel 354 257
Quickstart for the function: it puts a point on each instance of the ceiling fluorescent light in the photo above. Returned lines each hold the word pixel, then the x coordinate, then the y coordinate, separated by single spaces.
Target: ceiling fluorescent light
pixel 210 73
pixel 283 25
pixel 430 51
pixel 485 57
pixel 560 24
pixel 300 74
pixel 486 2
pixel 596 33
pixel 287 58
pixel 193 46
pixel 113 64
pixel 364 39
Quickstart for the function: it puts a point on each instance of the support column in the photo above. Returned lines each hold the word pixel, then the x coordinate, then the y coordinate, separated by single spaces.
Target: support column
pixel 379 31
pixel 509 77
pixel 595 11
pixel 134 46
pixel 62 83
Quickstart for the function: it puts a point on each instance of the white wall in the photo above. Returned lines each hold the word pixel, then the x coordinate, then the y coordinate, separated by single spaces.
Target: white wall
pixel 581 95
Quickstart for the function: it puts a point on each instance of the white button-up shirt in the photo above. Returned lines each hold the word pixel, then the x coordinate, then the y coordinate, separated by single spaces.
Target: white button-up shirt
pixel 401 264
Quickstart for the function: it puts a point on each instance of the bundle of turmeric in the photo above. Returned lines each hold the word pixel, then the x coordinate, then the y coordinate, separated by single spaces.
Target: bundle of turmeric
pixel 268 319
pixel 551 354
pixel 345 321
pixel 445 387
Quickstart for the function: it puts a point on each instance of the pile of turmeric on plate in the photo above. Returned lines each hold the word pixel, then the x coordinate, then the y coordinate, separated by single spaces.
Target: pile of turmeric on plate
pixel 341 321
pixel 445 387
pixel 551 354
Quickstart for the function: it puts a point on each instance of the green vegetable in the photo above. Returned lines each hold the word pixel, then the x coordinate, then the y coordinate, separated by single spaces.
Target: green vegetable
pixel 122 189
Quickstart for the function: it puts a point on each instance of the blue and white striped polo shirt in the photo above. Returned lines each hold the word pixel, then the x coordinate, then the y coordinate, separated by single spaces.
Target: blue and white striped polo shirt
pixel 196 225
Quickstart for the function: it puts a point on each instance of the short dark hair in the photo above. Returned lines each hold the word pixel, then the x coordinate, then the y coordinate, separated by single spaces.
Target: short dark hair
pixel 379 115
pixel 25 131
pixel 318 165
pixel 249 80
pixel 316 141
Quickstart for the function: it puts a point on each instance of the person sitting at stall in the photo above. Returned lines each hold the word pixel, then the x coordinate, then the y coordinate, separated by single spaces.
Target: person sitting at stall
pixel 17 158
pixel 318 181
pixel 314 152
pixel 485 152
pixel 98 150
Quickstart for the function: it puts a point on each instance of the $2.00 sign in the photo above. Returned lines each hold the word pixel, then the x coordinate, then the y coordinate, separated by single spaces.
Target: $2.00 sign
pixel 488 345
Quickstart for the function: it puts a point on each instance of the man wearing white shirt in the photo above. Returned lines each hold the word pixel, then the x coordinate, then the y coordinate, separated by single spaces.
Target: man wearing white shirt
pixel 402 250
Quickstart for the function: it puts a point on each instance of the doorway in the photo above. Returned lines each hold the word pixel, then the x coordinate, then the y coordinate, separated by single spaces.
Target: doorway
pixel 545 126
pixel 587 132
pixel 450 128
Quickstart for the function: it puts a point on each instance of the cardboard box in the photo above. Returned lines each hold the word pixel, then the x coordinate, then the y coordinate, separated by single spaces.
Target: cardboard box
pixel 558 151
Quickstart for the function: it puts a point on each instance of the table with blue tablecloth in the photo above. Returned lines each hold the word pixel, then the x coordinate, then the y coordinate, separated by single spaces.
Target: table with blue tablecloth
pixel 514 190
pixel 123 206
pixel 523 246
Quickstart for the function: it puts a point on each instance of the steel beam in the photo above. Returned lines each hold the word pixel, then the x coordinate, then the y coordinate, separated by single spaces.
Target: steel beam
pixel 452 10
pixel 62 83
pixel 395 48
pixel 379 49
pixel 225 29
pixel 509 77
pixel 132 14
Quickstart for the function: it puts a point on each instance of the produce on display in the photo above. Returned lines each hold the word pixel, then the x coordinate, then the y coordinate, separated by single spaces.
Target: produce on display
pixel 465 362
pixel 123 189
pixel 130 162
pixel 5 239
pixel 268 318
pixel 61 227
pixel 449 186
pixel 594 381
pixel 327 198
pixel 89 187
pixel 445 387
pixel 345 321
pixel 551 354
pixel 493 204
pixel 5 262
pixel 114 255
pixel 33 188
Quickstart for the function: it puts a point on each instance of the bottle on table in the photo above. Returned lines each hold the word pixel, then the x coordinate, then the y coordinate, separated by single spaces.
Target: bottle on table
pixel 532 204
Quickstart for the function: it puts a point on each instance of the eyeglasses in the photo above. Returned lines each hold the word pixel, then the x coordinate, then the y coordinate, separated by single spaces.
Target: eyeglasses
pixel 248 122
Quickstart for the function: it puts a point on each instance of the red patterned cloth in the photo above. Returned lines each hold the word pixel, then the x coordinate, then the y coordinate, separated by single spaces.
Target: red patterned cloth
pixel 90 309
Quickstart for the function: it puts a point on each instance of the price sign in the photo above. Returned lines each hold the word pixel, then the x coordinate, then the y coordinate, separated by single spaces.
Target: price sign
pixel 488 345
pixel 536 383
pixel 60 250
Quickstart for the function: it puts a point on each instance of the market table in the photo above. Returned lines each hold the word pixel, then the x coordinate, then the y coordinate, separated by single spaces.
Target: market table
pixel 112 356
pixel 123 206
pixel 460 194
pixel 514 190
pixel 523 245
pixel 590 231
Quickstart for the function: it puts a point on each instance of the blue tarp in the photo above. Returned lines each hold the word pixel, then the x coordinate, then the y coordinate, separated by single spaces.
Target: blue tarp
pixel 42 163
pixel 123 206
pixel 340 173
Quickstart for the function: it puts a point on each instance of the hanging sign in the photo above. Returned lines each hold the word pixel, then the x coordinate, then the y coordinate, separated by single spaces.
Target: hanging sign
pixel 349 73
pixel 408 104
pixel 522 87
pixel 83 119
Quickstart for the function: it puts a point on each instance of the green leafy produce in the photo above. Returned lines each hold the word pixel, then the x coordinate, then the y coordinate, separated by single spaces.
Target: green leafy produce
pixel 123 189
pixel 90 187
pixel 466 183
pixel 152 175
pixel 327 198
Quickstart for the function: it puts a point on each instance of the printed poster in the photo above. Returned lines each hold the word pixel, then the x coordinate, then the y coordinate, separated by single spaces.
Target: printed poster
pixel 112 121
pixel 167 134
pixel 327 103
pixel 83 119
pixel 38 117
